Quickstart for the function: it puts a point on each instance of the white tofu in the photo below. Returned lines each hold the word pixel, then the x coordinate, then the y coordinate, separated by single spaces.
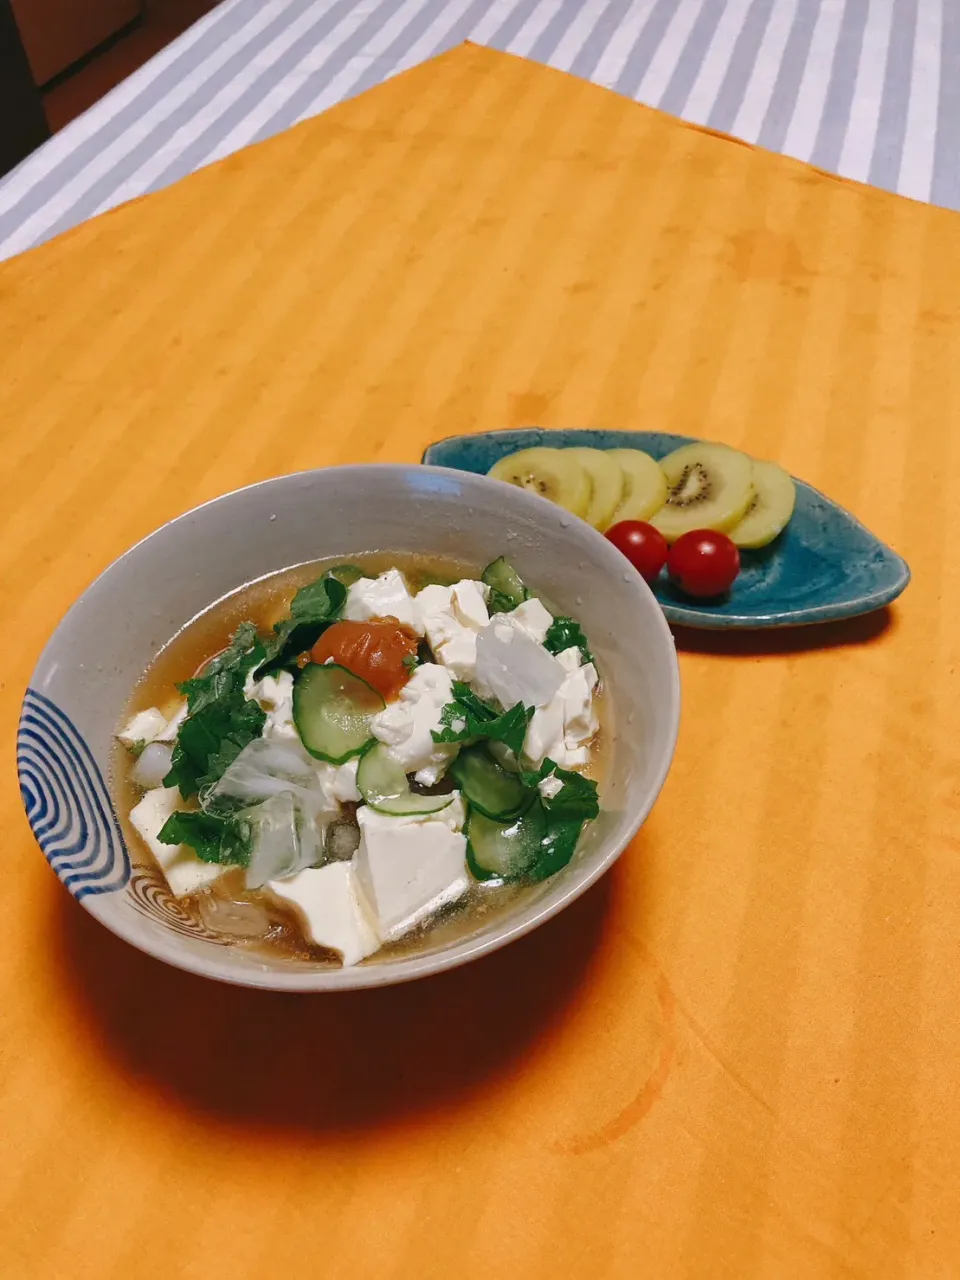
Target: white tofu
pixel 408 870
pixel 440 623
pixel 580 721
pixel 469 599
pixel 274 693
pixel 534 617
pixel 512 667
pixel 563 728
pixel 339 781
pixel 145 726
pixel 406 726
pixel 331 909
pixel 173 724
pixel 570 659
pixel 452 618
pixel 383 597
pixel 184 871
pixel 459 655
pixel 544 737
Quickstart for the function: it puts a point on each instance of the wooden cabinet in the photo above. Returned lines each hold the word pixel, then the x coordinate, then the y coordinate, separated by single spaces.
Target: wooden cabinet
pixel 56 33
pixel 22 123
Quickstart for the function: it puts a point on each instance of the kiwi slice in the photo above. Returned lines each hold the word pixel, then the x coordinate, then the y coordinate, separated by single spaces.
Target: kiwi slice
pixel 774 497
pixel 644 485
pixel 551 473
pixel 709 486
pixel 606 478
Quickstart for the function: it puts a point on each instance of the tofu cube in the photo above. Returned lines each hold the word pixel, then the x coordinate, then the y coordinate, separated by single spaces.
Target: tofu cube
pixel 184 871
pixel 579 718
pixel 173 725
pixel 534 617
pixel 569 659
pixel 512 667
pixel 407 725
pixel 145 726
pixel 561 731
pixel 383 597
pixel 452 618
pixel 469 600
pixel 408 870
pixel 331 909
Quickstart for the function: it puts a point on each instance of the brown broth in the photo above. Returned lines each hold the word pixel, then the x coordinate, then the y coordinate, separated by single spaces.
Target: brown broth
pixel 264 603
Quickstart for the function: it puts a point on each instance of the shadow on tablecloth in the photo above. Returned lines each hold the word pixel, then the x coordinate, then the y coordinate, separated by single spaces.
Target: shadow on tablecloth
pixel 323 1062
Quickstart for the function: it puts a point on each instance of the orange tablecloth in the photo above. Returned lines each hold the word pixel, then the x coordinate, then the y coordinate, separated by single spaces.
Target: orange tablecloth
pixel 736 1057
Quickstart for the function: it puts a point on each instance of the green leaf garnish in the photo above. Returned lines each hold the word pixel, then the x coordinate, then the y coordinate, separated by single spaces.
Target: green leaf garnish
pixel 313 609
pixel 221 720
pixel 348 574
pixel 226 672
pixel 212 838
pixel 469 719
pixel 564 633
pixel 576 801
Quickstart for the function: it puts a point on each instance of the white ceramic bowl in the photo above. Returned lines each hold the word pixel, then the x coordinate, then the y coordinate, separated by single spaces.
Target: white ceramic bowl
pixel 88 670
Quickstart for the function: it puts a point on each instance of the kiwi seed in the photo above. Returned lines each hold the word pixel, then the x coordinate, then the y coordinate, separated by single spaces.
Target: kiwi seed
pixel 679 497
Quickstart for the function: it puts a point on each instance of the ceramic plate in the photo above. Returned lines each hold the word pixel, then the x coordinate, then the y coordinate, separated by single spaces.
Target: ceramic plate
pixel 824 566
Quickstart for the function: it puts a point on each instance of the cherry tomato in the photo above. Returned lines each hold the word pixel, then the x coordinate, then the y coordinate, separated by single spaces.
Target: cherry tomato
pixel 374 651
pixel 643 545
pixel 703 563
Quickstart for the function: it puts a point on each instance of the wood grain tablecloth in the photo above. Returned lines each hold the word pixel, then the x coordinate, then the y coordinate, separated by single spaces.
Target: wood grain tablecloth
pixel 736 1057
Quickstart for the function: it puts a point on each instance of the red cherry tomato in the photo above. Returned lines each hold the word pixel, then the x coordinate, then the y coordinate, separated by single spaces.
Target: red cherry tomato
pixel 703 563
pixel 643 545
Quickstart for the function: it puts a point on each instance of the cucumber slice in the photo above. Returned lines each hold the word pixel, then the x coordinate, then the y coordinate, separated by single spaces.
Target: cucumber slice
pixel 332 709
pixel 505 850
pixel 384 786
pixel 490 789
pixel 502 578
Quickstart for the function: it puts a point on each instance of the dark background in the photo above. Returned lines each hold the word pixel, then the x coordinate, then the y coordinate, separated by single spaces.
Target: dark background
pixel 52 71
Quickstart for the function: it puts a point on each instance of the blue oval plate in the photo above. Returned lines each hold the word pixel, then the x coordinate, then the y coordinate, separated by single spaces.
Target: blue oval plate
pixel 824 566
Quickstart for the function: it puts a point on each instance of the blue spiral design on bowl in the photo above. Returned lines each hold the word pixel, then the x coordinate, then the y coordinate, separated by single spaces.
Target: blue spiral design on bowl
pixel 67 802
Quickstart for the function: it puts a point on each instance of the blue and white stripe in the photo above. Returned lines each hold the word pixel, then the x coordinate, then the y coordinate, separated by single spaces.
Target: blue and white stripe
pixel 866 88
pixel 67 803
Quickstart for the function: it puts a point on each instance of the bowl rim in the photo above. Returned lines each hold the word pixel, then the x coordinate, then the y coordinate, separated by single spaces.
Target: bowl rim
pixel 408 968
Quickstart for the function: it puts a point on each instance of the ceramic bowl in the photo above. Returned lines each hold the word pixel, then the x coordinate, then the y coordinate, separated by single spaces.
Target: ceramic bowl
pixel 99 651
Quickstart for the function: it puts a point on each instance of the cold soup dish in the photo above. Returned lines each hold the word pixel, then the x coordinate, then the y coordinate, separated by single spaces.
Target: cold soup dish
pixel 351 759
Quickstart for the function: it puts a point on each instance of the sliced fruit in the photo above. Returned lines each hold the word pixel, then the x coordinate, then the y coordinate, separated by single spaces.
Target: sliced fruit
pixel 774 497
pixel 383 784
pixel 489 788
pixel 551 473
pixel 332 709
pixel 606 476
pixel 644 485
pixel 709 486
